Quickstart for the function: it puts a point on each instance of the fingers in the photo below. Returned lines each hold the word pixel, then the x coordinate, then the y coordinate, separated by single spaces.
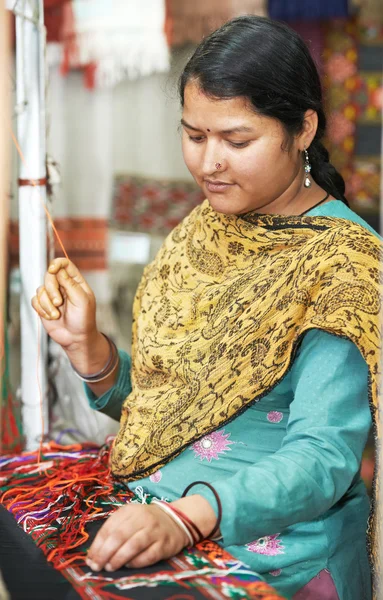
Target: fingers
pixel 63 264
pixel 52 287
pixel 44 306
pixel 150 556
pixel 40 311
pixel 137 536
pixel 46 303
pixel 109 538
pixel 73 291
pixel 131 549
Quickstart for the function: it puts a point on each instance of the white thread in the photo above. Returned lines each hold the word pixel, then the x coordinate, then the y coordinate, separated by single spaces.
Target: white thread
pixel 141 496
pixel 175 518
pixel 153 581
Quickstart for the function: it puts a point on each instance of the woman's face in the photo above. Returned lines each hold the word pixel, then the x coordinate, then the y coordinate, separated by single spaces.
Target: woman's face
pixel 257 171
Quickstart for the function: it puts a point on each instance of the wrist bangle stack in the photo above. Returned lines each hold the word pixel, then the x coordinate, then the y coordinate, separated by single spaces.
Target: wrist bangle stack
pixel 219 505
pixel 173 514
pixel 191 526
pixel 107 370
pixel 193 533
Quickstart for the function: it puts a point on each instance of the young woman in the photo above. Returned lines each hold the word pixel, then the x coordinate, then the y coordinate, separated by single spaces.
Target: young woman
pixel 255 337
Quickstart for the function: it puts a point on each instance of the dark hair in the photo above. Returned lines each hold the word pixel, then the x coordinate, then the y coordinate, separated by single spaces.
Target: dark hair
pixel 267 62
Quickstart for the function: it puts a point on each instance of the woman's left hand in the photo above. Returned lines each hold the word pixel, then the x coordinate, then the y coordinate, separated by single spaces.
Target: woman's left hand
pixel 135 535
pixel 138 535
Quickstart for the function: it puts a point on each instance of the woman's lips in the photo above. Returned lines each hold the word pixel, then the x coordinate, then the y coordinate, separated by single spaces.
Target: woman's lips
pixel 217 186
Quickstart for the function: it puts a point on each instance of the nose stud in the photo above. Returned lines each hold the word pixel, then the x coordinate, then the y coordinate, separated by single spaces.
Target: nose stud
pixel 218 166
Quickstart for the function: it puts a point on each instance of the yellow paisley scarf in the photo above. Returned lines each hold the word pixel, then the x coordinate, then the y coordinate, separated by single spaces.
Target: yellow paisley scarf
pixel 219 314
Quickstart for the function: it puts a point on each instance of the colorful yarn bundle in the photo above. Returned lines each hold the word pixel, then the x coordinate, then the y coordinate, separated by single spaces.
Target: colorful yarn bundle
pixel 53 499
pixel 59 493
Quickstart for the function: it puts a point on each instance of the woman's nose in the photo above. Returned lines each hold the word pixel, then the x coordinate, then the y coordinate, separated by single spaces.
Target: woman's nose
pixel 213 161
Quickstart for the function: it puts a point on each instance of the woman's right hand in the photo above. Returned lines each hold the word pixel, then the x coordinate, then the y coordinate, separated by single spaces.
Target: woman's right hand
pixel 66 305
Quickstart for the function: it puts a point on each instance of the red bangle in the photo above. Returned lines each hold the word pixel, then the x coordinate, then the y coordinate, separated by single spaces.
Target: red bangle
pixel 219 505
pixel 192 527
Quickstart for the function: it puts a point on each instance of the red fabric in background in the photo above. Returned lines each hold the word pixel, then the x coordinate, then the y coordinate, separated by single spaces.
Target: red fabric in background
pixel 84 238
pixel 54 19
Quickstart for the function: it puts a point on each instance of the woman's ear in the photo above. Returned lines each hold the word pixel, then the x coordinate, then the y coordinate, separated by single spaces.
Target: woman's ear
pixel 309 129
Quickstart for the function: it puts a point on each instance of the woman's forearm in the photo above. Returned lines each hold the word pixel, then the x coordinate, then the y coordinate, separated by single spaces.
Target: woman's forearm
pixel 89 358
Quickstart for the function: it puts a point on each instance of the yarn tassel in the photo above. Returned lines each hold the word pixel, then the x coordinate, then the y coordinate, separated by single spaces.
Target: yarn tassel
pixel 54 500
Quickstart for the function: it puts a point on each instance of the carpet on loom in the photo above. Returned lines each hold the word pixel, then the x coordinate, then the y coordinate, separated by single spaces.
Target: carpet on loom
pixel 52 503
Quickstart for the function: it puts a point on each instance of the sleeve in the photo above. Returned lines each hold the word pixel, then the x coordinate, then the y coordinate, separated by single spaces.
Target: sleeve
pixel 110 403
pixel 321 452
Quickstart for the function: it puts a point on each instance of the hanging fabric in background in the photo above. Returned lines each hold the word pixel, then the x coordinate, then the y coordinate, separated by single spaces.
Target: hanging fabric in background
pixel 188 22
pixel 58 17
pixel 353 57
pixel 340 76
pixel 150 205
pixel 312 33
pixel 54 19
pixel 307 9
pixel 116 40
pixel 85 239
pixel 11 440
pixel 365 184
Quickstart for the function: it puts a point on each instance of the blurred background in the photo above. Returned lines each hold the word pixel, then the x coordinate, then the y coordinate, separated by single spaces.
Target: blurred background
pixel 116 182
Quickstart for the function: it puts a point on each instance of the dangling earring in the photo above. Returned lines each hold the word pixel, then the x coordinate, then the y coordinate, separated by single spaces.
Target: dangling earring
pixel 307 182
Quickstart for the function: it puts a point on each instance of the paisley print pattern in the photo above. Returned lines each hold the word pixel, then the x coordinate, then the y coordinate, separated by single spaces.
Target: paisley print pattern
pixel 219 314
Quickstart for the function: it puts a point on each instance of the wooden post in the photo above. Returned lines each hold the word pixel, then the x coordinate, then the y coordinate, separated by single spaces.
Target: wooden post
pixel 30 93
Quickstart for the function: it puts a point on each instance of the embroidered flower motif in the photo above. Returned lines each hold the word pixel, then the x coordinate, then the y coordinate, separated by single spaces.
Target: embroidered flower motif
pixel 164 271
pixel 269 545
pixel 235 248
pixel 157 361
pixel 276 572
pixel 156 477
pixel 212 445
pixel 274 416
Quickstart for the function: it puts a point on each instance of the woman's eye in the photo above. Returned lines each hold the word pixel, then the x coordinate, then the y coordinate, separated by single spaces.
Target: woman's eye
pixel 197 140
pixel 239 144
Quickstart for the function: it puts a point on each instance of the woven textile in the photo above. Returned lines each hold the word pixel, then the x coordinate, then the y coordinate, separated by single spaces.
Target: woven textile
pixel 54 19
pixel 189 22
pixel 353 79
pixel 117 38
pixel 84 239
pixel 151 205
pixel 62 499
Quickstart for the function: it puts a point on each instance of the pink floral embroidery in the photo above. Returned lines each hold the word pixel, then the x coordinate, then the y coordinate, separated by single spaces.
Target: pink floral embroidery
pixel 276 572
pixel 274 416
pixel 156 477
pixel 212 445
pixel 269 545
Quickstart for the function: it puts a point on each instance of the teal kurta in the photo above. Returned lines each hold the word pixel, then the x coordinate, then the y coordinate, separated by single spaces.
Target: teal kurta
pixel 287 469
